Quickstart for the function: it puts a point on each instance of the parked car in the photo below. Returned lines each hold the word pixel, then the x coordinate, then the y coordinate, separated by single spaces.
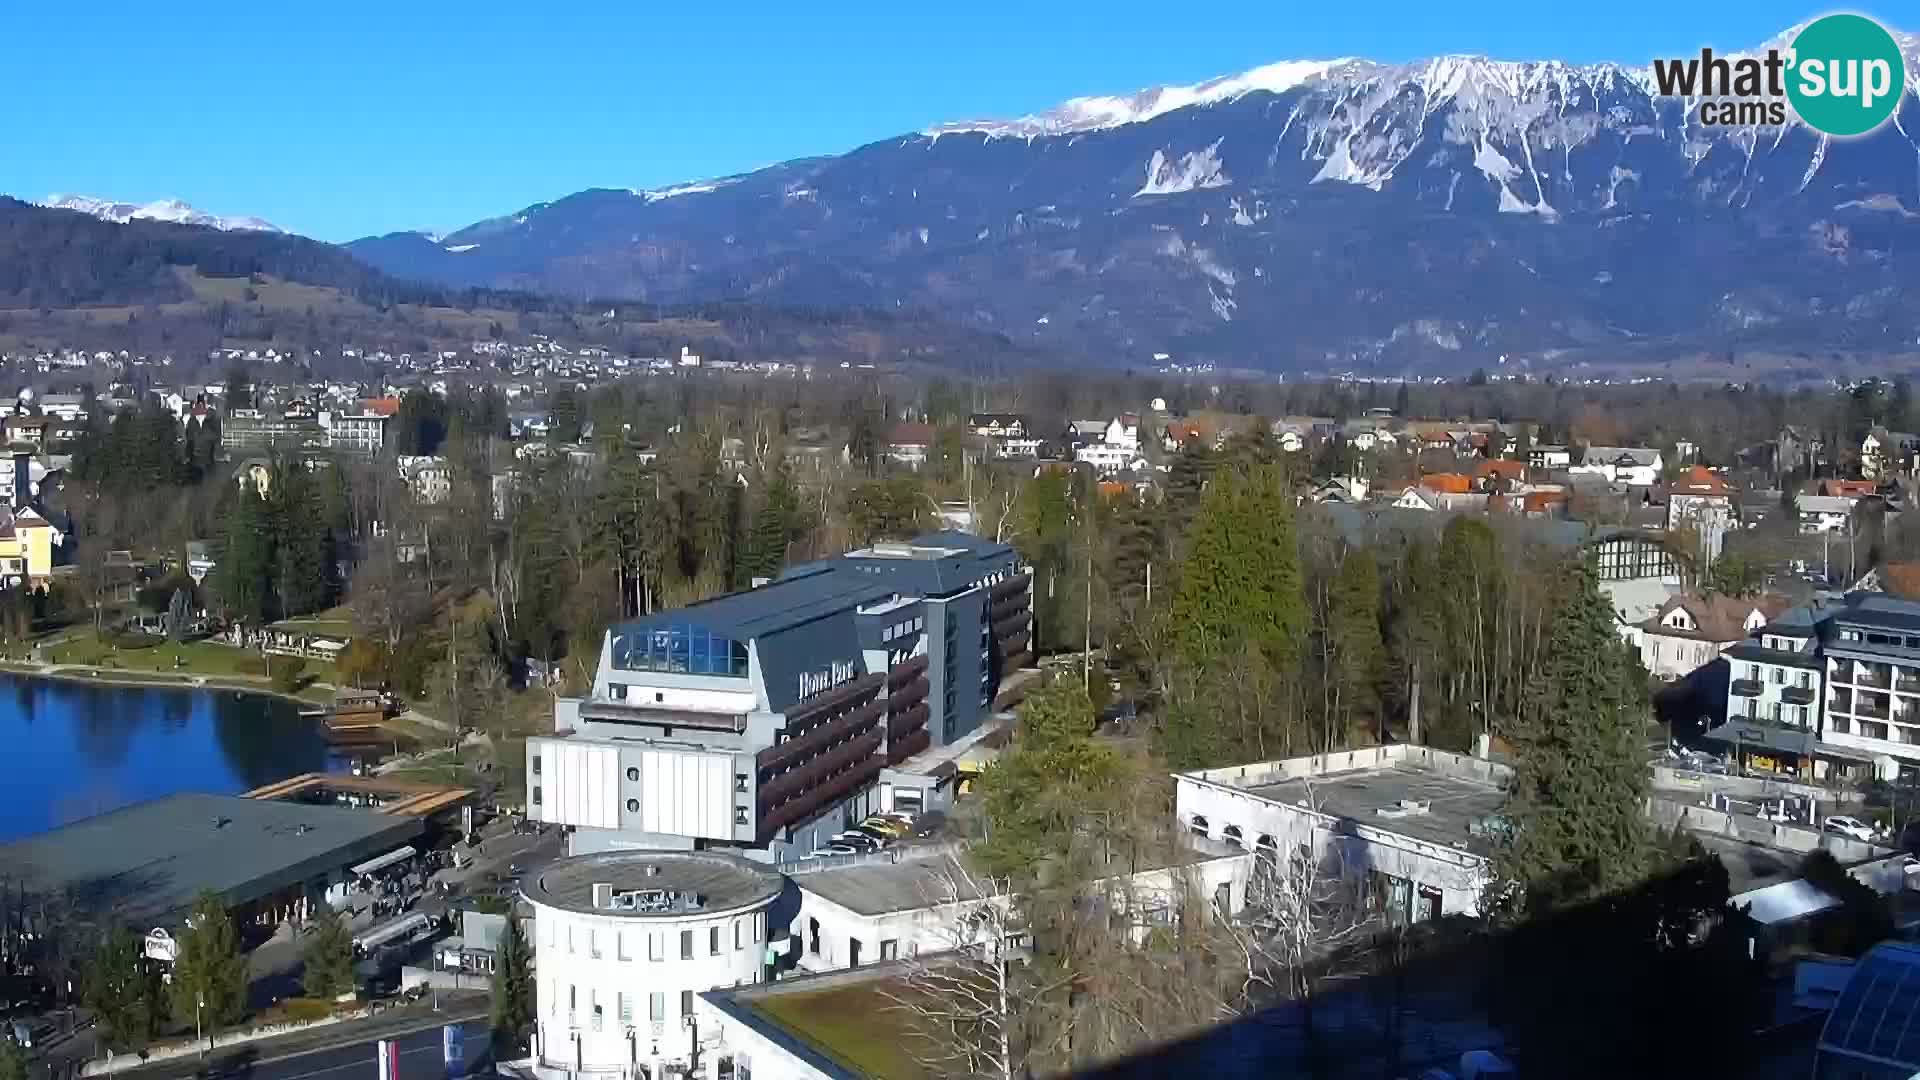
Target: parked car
pixel 1847 826
pixel 858 840
pixel 887 825
pixel 835 848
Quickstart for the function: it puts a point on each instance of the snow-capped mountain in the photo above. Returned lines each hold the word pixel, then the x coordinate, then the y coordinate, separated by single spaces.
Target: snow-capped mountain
pixel 170 210
pixel 1301 215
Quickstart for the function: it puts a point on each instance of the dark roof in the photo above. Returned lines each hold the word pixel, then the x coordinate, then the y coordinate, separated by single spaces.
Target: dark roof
pixel 1759 654
pixel 1879 611
pixel 145 863
pixel 801 596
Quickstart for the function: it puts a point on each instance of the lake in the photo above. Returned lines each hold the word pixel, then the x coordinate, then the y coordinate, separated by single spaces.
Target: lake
pixel 70 750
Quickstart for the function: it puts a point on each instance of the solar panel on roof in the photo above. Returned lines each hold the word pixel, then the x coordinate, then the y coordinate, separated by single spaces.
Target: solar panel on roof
pixel 1878 1013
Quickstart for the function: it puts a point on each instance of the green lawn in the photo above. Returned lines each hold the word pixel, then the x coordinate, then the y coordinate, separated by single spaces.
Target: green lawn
pixel 165 657
pixel 858 1024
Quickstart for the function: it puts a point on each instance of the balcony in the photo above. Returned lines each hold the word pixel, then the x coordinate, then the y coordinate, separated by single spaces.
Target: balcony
pixel 1907 684
pixel 1867 707
pixel 1746 688
pixel 1876 677
pixel 1798 695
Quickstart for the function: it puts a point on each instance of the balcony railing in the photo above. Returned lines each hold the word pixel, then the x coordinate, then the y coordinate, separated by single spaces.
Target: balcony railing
pixel 1797 695
pixel 1746 688
pixel 1907 684
pixel 1879 680
pixel 1869 709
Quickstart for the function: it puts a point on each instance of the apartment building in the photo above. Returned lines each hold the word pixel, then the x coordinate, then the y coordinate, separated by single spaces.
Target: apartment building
pixel 1829 687
pixel 767 720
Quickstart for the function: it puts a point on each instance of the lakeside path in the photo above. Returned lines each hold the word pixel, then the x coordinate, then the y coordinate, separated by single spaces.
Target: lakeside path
pixel 91 675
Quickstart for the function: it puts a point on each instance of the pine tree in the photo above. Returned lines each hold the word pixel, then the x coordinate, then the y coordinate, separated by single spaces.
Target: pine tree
pixel 328 957
pixel 121 991
pixel 1576 805
pixel 13 1061
pixel 1240 584
pixel 512 1015
pixel 1353 627
pixel 209 972
pixel 242 576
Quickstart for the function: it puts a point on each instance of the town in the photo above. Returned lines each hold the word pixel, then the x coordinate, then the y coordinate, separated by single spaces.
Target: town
pixel 662 737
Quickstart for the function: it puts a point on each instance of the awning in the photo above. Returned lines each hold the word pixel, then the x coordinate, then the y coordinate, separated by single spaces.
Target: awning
pixel 400 854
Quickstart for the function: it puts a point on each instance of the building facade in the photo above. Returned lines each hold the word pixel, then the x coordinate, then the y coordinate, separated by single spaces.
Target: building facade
pixel 761 721
pixel 625 942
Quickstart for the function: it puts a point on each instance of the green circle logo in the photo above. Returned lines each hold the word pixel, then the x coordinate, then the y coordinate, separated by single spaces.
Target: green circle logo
pixel 1845 75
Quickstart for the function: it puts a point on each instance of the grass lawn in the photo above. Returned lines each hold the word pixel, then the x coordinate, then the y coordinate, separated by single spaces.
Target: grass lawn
pixel 856 1024
pixel 174 658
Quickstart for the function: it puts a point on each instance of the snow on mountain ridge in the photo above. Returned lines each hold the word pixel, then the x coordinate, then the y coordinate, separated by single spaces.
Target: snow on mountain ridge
pixel 1104 111
pixel 174 211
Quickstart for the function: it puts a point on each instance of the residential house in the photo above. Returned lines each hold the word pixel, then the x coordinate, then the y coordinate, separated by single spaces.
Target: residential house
pixel 427 476
pixel 1884 453
pixel 26 430
pixel 998 425
pixel 1848 489
pixel 1699 500
pixel 1548 456
pixel 1824 513
pixel 1124 431
pixel 1499 475
pixel 1638 573
pixel 1635 466
pixel 1107 460
pixel 30 545
pixel 1690 631
pixel 909 443
pixel 1084 432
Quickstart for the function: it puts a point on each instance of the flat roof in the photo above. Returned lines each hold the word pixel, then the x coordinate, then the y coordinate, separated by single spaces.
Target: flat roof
pixel 1454 803
pixel 882 888
pixel 147 862
pixel 719 882
pixel 785 602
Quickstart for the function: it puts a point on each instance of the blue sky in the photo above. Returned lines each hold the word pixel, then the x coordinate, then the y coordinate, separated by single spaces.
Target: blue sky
pixel 343 119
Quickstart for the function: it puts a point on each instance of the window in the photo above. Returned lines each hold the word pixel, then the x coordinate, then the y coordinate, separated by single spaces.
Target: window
pixel 593 1000
pixel 1806 680
pixel 713 941
pixel 656 1007
pixel 1776 712
pixel 686 944
pixel 739 933
pixel 593 944
pixel 740 815
pixel 686 1003
pixel 633 806
pixel 569 940
pixel 813 936
pixel 626 1009
pixel 573 997
pixel 653 947
pixel 889 948
pixel 633 774
pixel 620 945
pixel 759 924
pixel 536 794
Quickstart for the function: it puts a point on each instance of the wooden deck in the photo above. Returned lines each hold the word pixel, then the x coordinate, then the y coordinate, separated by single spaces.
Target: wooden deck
pixel 400 798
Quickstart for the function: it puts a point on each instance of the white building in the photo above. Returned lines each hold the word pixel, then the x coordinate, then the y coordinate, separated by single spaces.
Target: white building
pixel 624 943
pixel 1123 431
pixel 882 911
pixel 363 433
pixel 1413 822
pixel 1635 466
pixel 1825 513
pixel 1106 459
pixel 427 476
pixel 1689 631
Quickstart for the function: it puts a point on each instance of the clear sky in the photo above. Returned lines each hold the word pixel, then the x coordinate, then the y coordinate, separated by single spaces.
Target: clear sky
pixel 346 118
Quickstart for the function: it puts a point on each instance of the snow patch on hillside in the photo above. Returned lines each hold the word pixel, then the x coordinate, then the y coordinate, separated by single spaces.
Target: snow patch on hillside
pixel 1191 172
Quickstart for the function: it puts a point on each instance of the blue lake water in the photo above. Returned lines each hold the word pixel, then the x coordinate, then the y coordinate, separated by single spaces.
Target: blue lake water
pixel 70 750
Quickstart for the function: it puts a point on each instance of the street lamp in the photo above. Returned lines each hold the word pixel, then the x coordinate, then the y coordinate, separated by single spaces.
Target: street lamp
pixel 199 1002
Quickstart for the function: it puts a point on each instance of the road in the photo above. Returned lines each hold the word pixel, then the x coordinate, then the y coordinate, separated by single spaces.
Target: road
pixel 343 1052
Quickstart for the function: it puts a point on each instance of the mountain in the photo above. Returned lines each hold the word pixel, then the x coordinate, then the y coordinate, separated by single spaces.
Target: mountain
pixel 1306 215
pixel 169 210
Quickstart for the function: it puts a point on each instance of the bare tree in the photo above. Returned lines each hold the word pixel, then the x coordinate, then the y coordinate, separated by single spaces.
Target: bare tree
pixel 965 1002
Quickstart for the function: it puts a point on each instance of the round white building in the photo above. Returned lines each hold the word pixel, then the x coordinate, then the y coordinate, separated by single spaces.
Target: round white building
pixel 625 942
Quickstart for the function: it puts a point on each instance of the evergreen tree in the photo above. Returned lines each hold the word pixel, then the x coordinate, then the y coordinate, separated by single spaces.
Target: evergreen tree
pixel 512 1015
pixel 13 1061
pixel 1353 630
pixel 209 972
pixel 563 415
pixel 242 578
pixel 773 525
pixel 179 610
pixel 239 390
pixel 302 543
pixel 1240 583
pixel 121 991
pixel 1577 802
pixel 328 957
pixel 1053 774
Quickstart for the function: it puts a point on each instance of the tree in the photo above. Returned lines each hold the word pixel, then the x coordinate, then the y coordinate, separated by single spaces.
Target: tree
pixel 209 972
pixel 1576 803
pixel 1053 774
pixel 1353 632
pixel 965 1004
pixel 512 1016
pixel 13 1061
pixel 121 991
pixel 243 577
pixel 179 610
pixel 329 957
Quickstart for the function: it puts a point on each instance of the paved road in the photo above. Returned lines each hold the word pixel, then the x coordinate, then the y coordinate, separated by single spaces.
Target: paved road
pixel 344 1052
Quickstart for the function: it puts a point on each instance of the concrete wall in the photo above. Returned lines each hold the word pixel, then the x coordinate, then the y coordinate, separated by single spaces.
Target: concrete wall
pixel 1337 844
pixel 1443 762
